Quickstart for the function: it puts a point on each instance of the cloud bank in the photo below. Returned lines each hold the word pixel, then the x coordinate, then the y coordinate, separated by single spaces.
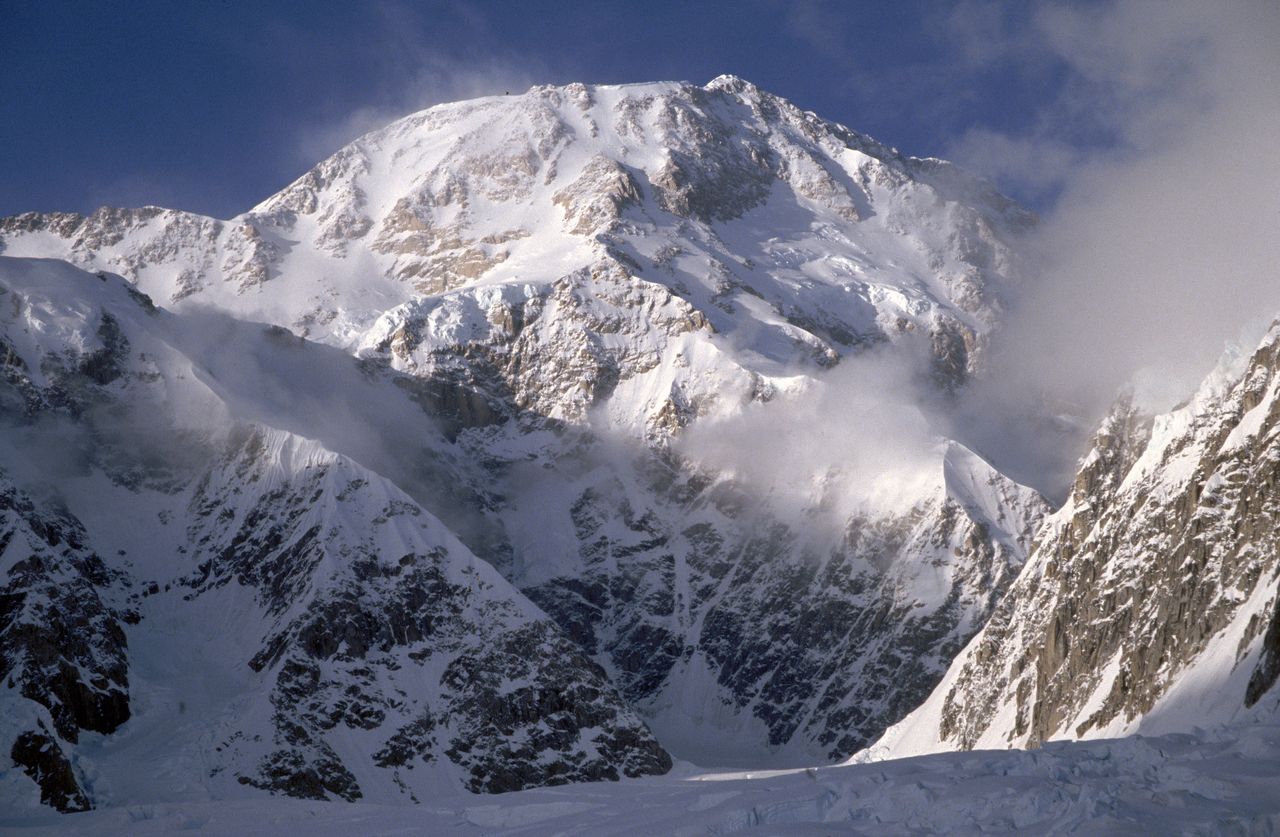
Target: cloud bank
pixel 1164 243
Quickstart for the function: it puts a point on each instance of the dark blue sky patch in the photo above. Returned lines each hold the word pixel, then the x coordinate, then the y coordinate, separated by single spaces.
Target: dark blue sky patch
pixel 213 106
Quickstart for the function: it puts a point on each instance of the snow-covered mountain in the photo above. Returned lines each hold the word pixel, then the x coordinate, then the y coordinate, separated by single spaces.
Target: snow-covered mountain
pixel 571 280
pixel 1151 603
pixel 515 228
pixel 539 439
pixel 723 193
pixel 194 602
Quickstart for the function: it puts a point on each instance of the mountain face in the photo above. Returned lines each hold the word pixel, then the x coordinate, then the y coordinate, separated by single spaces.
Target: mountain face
pixel 1151 602
pixel 192 603
pixel 439 525
pixel 570 279
pixel 439 472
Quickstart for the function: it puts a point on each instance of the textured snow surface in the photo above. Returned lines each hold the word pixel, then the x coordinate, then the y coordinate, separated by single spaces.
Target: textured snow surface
pixel 778 237
pixel 1222 781
pixel 707 189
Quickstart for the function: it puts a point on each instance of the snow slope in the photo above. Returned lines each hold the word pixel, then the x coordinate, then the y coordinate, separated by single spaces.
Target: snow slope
pixel 722 193
pixel 1216 782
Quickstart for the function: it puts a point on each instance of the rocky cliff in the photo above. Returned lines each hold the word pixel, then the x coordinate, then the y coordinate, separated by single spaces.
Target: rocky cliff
pixel 1149 602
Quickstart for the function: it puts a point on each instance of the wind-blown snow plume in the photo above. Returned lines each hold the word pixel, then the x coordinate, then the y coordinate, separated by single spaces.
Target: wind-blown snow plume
pixel 859 439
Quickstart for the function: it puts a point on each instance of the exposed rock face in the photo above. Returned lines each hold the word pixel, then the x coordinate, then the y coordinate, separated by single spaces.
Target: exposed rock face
pixel 367 618
pixel 803 646
pixel 594 202
pixel 1150 599
pixel 41 758
pixel 552 351
pixel 1267 671
pixel 63 652
pixel 64 610
pixel 62 646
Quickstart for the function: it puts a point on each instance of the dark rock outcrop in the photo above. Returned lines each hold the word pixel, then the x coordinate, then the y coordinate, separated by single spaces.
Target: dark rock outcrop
pixel 41 758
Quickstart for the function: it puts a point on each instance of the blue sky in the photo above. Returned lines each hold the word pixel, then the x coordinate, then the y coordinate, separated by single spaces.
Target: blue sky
pixel 212 106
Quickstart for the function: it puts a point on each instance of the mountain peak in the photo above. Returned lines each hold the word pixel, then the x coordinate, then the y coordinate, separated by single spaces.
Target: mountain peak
pixel 717 194
pixel 731 83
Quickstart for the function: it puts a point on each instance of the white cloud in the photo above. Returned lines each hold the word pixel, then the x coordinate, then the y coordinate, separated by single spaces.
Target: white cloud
pixel 857 440
pixel 412 69
pixel 428 80
pixel 1164 243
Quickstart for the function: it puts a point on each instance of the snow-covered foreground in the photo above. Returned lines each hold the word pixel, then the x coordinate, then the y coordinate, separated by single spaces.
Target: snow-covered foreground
pixel 1223 781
